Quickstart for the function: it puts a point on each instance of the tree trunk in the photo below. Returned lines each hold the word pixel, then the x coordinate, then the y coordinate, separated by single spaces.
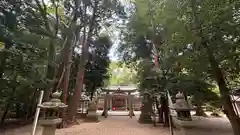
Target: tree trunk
pixel 51 48
pixel 224 91
pixel 199 111
pixel 18 113
pixel 72 108
pixel 66 77
pixel 63 56
pixel 160 111
pixel 166 111
pixel 217 73
pixel 233 118
pixel 59 75
pixel 5 113
pixel 92 91
pixel 91 95
pixel 3 58
pixel 80 75
pixel 50 68
pixel 68 65
pixel 227 104
pixel 32 105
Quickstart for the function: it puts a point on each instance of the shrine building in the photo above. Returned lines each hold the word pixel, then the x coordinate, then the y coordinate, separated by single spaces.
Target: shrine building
pixel 119 98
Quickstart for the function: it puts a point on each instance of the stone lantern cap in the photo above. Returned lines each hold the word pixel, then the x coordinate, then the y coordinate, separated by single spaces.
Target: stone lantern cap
pixel 54 103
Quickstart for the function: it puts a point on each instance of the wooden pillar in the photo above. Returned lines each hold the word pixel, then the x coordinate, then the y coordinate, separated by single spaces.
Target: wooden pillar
pixel 126 102
pixel 110 102
pixel 130 104
pixel 107 101
pixel 132 96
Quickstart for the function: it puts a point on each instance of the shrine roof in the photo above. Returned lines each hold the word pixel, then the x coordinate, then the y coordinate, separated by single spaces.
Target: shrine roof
pixel 120 88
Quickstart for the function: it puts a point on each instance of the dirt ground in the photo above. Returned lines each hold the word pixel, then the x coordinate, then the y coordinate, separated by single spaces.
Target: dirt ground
pixel 123 125
pixel 113 125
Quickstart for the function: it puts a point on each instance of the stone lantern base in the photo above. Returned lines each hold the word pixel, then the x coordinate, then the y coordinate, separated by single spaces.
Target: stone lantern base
pixel 183 125
pixel 145 118
pixel 49 126
pixel 92 115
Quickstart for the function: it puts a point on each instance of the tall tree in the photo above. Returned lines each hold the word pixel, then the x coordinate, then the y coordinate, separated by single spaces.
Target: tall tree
pixel 198 36
pixel 96 71
pixel 45 35
pixel 99 11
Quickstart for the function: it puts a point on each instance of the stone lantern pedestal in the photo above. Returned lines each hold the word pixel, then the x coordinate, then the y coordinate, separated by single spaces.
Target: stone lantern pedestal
pixel 183 119
pixel 82 109
pixel 146 110
pixel 52 112
pixel 49 126
pixel 92 113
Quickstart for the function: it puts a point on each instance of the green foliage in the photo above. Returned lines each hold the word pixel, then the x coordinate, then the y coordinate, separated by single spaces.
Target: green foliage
pixel 183 64
pixel 96 72
pixel 120 74
pixel 34 35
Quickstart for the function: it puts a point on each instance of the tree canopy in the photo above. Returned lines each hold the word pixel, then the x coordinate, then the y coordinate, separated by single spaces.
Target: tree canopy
pixel 166 45
pixel 196 46
pixel 52 45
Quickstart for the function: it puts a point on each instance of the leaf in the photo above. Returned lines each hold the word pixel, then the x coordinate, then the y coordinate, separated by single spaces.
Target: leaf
pixel 2 46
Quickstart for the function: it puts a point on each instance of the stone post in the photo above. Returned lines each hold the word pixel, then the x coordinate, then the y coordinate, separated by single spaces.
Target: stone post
pixel 110 100
pixel 126 103
pixel 183 119
pixel 130 97
pixel 92 112
pixel 105 111
pixel 146 110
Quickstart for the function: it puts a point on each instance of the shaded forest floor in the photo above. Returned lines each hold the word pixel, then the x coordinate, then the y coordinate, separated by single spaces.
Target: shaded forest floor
pixel 14 123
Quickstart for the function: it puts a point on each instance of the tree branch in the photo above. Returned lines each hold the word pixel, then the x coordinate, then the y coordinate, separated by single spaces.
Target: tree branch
pixel 56 17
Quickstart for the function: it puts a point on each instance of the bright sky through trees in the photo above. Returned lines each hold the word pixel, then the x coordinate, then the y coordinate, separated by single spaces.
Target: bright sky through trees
pixel 115 31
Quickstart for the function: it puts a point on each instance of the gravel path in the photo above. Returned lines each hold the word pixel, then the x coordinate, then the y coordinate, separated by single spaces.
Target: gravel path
pixel 210 126
pixel 123 125
pixel 113 125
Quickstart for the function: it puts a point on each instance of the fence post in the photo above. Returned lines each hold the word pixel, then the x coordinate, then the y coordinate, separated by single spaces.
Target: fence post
pixel 37 113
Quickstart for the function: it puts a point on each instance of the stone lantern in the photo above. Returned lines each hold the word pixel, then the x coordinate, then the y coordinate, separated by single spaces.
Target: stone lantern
pixel 182 107
pixel 82 108
pixel 92 112
pixel 52 111
pixel 146 109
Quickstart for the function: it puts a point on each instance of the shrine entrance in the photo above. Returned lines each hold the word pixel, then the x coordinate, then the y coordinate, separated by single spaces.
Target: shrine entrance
pixel 118 99
pixel 118 103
